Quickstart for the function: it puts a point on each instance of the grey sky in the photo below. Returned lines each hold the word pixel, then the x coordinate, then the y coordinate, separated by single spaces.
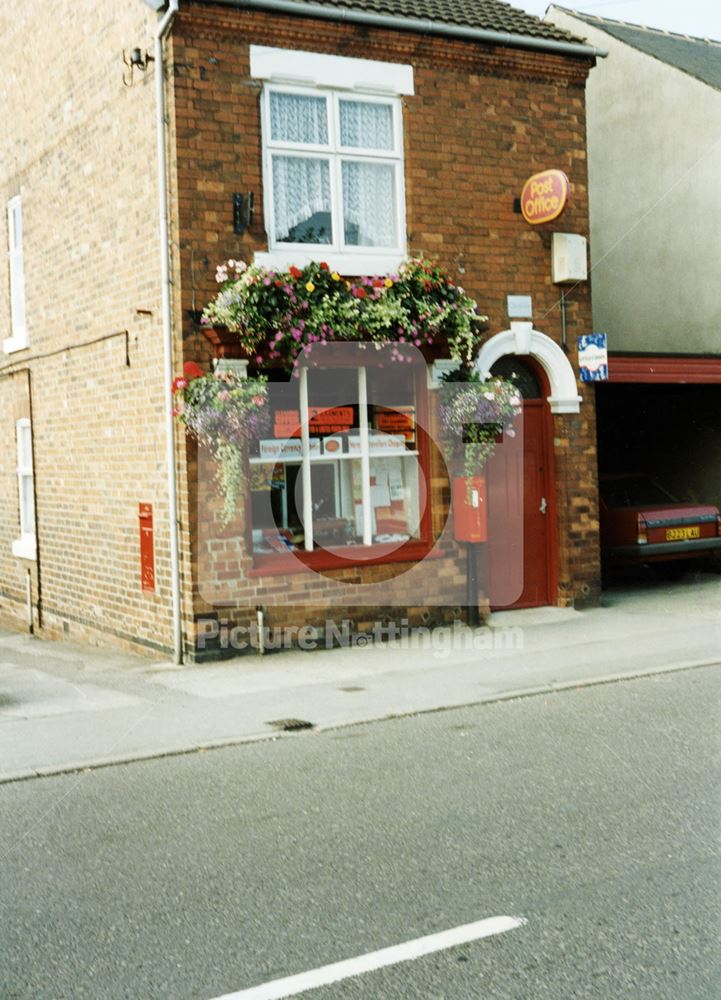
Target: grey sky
pixel 689 17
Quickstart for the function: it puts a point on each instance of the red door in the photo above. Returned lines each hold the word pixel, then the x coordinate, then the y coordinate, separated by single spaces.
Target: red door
pixel 521 544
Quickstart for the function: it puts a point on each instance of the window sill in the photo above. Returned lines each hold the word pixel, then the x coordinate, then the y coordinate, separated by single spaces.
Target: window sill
pixel 301 562
pixel 15 343
pixel 25 548
pixel 352 264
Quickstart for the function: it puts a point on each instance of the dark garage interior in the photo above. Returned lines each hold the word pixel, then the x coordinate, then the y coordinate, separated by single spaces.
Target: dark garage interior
pixel 671 432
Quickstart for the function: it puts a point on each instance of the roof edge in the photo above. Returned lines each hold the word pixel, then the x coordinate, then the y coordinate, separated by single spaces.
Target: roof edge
pixel 598 21
pixel 623 32
pixel 421 25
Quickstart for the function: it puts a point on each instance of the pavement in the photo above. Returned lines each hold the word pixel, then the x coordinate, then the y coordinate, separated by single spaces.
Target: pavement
pixel 65 707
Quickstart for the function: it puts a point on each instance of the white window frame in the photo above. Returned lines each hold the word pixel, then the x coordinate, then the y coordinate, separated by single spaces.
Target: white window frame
pixel 25 546
pixel 307 459
pixel 18 338
pixel 364 459
pixel 340 256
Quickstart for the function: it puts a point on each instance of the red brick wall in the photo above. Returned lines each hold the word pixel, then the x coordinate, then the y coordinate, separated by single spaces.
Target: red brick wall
pixel 482 119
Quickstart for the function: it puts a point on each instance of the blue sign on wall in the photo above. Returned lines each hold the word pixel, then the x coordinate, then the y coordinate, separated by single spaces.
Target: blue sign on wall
pixel 593 357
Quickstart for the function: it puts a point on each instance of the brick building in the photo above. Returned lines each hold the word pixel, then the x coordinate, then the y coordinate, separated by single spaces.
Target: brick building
pixel 456 113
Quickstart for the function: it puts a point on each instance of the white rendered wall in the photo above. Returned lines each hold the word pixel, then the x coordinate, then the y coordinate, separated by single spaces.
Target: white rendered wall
pixel 654 156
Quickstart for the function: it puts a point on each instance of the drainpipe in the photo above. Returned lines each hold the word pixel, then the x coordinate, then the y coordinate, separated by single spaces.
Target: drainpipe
pixel 163 27
pixel 29 600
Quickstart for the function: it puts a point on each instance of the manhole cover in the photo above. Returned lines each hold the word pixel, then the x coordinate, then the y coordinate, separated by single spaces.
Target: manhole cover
pixel 290 725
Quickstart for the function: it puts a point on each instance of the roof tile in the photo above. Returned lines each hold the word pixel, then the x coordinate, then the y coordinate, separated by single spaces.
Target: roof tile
pixel 491 15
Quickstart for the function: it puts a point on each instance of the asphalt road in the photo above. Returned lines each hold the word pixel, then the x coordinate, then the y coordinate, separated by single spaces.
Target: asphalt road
pixel 594 813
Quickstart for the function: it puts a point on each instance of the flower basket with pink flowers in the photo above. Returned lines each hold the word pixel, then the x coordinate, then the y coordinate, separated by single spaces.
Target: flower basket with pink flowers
pixel 277 315
pixel 225 412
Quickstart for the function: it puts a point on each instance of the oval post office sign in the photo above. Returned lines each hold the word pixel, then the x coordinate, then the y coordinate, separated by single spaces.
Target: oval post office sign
pixel 544 196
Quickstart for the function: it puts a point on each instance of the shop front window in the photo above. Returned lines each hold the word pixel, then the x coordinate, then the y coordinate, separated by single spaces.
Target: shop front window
pixel 343 466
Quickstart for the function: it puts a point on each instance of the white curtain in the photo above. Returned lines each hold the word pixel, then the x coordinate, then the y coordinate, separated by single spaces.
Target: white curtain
pixel 298 118
pixel 369 204
pixel 301 184
pixel 301 188
pixel 366 126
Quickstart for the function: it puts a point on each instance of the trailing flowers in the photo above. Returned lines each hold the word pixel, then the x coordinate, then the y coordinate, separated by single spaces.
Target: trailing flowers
pixel 224 412
pixel 473 413
pixel 279 314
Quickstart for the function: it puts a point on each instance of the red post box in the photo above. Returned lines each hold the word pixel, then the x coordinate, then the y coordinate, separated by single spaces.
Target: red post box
pixel 469 509
pixel 147 547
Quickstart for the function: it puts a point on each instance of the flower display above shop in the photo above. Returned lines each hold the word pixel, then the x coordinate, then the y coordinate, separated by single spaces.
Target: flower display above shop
pixel 279 318
pixel 278 315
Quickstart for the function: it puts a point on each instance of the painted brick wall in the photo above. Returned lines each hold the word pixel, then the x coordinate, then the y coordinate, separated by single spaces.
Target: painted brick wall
pixel 80 147
pixel 481 121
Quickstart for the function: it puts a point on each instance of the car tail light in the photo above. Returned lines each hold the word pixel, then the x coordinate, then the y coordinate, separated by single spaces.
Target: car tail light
pixel 641 535
pixel 718 524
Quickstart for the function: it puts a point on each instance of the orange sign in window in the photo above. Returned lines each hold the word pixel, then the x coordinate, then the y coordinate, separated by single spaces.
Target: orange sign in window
pixel 400 420
pixel 322 420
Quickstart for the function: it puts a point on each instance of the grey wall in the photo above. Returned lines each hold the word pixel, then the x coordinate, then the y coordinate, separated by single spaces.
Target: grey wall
pixel 654 154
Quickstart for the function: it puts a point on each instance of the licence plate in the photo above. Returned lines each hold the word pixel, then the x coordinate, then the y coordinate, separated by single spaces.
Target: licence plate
pixel 679 534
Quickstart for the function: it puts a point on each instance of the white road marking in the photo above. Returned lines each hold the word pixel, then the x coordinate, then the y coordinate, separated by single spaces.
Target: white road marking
pixel 293 985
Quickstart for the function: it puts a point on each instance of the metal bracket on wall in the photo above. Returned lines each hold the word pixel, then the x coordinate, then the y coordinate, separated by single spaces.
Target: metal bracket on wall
pixel 137 60
pixel 242 212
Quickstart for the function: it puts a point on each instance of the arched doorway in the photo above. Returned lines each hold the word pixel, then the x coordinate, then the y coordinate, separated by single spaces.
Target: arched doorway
pixel 522 549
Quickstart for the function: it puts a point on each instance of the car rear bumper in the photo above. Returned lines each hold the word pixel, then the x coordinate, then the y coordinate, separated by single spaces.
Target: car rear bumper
pixel 651 550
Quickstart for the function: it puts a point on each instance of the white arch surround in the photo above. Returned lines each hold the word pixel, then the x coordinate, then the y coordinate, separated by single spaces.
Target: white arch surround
pixel 523 339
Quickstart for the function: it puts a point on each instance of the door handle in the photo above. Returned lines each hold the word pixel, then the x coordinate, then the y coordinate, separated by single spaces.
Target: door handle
pixel 544 505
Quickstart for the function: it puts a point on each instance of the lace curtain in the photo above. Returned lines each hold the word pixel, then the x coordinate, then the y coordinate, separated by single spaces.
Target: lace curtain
pixel 301 189
pixel 366 126
pixel 299 118
pixel 301 184
pixel 369 204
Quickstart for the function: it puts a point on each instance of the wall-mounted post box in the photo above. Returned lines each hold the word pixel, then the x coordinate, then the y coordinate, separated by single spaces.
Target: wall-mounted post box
pixel 147 547
pixel 469 509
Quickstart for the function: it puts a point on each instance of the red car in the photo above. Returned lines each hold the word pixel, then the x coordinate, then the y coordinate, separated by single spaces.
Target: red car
pixel 641 522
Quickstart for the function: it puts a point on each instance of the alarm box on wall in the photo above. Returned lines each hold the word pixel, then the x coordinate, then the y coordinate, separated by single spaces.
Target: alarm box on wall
pixel 568 258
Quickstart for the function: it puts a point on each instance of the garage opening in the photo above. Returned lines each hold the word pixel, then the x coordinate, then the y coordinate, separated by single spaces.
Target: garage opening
pixel 660 417
pixel 669 432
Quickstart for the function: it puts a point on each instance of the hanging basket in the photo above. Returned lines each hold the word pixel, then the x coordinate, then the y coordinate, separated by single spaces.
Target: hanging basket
pixel 225 343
